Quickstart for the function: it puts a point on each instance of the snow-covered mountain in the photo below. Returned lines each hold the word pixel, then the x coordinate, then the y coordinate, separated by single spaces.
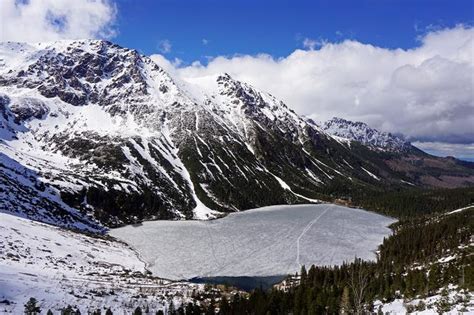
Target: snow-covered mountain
pixel 94 134
pixel 361 132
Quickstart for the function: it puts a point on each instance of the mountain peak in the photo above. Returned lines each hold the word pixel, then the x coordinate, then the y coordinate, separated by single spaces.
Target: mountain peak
pixel 363 133
pixel 224 77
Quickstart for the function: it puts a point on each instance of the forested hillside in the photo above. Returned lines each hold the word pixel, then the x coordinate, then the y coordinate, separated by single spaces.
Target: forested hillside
pixel 409 203
pixel 422 258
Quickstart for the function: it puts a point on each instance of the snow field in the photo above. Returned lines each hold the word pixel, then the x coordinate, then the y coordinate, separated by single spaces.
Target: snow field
pixel 60 268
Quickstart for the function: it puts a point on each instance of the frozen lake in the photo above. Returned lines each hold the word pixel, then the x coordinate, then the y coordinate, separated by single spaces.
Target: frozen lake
pixel 267 241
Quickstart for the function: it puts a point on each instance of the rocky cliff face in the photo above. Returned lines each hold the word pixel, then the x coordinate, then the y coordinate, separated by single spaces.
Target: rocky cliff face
pixel 93 134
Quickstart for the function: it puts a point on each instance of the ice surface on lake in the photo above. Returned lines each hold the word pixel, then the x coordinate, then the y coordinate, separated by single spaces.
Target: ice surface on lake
pixel 267 241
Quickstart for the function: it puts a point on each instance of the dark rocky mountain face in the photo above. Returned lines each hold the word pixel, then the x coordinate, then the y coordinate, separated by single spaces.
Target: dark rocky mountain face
pixel 95 134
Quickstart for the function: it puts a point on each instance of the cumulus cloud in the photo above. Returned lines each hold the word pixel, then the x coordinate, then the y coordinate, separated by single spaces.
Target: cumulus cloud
pixel 165 46
pixel 425 93
pixel 47 20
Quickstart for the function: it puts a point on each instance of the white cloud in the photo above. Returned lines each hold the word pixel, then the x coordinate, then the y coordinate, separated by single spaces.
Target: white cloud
pixel 205 41
pixel 47 20
pixel 309 43
pixel 425 93
pixel 312 44
pixel 170 66
pixel 165 46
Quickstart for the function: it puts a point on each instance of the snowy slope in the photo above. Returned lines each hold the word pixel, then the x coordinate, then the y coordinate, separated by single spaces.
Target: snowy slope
pixel 89 114
pixel 59 268
pixel 461 302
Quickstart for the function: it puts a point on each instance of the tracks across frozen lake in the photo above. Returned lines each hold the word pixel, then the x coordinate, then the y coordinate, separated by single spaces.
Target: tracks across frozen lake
pixel 261 242
pixel 310 224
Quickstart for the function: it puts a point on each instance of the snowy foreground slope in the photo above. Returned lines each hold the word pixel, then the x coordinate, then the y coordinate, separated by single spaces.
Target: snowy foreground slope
pixel 460 304
pixel 60 268
pixel 274 240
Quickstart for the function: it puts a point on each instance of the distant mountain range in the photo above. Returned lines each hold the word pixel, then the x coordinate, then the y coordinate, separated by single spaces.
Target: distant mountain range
pixel 362 133
pixel 95 135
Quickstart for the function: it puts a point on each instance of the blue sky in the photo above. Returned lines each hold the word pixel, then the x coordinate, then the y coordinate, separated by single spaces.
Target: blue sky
pixel 277 27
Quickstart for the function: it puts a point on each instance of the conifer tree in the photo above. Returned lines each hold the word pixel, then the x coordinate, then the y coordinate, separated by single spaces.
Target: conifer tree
pixel 345 306
pixel 31 307
pixel 171 309
pixel 69 311
pixel 443 305
pixel 304 275
pixel 211 308
pixel 358 281
pixel 189 309
pixel 433 278
pixel 224 306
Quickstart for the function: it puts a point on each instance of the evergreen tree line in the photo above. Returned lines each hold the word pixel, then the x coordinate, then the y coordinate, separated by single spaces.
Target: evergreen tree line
pixel 401 269
pixel 409 203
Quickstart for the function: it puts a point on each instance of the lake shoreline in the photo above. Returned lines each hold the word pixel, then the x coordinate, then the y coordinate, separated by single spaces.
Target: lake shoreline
pixel 261 242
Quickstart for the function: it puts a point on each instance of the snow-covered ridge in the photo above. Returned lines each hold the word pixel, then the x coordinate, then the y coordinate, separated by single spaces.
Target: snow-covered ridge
pixel 240 104
pixel 361 132
pixel 58 96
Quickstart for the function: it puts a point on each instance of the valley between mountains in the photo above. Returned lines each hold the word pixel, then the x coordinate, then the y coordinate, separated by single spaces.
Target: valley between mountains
pixel 94 135
pixel 96 140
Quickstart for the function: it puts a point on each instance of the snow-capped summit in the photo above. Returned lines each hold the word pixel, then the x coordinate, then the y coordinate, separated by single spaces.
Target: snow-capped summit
pixel 361 132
